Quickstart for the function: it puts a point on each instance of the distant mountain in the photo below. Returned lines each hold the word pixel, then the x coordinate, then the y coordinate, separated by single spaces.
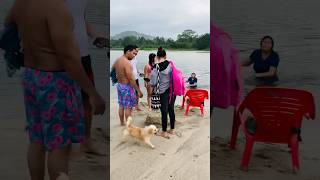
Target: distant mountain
pixel 131 33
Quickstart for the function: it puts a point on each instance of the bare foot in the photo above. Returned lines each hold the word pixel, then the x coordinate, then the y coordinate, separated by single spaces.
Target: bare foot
pixel 165 135
pixel 90 148
pixel 138 109
pixel 62 176
pixel 173 132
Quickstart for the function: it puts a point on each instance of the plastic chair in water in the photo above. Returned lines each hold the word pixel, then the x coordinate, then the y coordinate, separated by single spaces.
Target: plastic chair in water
pixel 196 98
pixel 277 115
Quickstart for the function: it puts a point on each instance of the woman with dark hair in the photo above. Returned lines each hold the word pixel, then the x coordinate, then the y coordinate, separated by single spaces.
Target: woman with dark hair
pixel 162 82
pixel 147 74
pixel 265 62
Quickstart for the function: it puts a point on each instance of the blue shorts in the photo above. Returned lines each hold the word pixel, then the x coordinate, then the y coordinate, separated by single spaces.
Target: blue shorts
pixel 126 96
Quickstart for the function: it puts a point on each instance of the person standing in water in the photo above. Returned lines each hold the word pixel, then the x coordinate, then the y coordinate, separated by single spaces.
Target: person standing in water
pixel 147 74
pixel 51 79
pixel 82 30
pixel 126 86
pixel 265 62
pixel 167 107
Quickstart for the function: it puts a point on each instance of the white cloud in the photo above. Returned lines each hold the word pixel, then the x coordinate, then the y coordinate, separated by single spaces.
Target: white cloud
pixel 165 18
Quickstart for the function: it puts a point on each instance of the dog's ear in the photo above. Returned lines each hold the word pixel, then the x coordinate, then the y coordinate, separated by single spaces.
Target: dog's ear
pixel 150 131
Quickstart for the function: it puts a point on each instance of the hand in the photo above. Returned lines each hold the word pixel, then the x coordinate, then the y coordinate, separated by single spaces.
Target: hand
pixel 97 103
pixel 100 42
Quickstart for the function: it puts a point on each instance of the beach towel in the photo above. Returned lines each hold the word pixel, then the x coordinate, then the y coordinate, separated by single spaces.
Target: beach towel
pixel 10 43
pixel 177 87
pixel 113 76
pixel 155 96
pixel 226 78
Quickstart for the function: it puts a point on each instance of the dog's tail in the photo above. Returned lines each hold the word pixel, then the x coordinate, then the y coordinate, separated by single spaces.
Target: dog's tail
pixel 129 120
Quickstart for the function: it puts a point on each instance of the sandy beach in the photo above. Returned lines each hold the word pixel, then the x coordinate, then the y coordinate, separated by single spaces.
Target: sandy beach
pixel 14 139
pixel 185 158
pixel 295 29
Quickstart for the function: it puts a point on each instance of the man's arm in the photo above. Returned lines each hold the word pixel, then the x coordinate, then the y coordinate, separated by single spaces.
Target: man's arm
pixel 61 32
pixel 129 74
pixel 90 31
pixel 246 62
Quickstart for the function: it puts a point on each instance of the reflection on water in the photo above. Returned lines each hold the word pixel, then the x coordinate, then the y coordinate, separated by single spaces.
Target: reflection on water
pixel 296 31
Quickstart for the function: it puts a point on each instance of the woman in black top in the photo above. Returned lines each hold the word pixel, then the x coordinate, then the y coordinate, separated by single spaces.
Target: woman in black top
pixel 265 62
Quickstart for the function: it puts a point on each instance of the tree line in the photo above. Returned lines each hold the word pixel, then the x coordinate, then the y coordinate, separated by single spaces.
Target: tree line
pixel 188 40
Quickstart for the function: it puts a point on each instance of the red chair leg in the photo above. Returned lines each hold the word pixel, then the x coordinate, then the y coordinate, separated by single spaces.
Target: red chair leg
pixel 202 110
pixel 187 110
pixel 247 152
pixel 235 128
pixel 294 144
pixel 183 100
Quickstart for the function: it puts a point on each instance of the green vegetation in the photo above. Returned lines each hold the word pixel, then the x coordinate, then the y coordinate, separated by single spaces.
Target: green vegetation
pixel 187 40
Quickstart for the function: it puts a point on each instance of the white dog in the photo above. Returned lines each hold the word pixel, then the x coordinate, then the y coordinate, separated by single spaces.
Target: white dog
pixel 143 134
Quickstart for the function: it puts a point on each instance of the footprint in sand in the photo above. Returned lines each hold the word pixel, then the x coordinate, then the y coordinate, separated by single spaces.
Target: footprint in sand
pixel 284 171
pixel 163 154
pixel 262 156
pixel 132 152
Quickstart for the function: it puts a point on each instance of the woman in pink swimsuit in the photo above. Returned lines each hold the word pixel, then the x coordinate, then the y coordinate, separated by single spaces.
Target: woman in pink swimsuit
pixel 147 73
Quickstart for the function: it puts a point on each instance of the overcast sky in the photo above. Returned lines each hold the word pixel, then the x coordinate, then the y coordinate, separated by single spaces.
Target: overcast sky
pixel 164 18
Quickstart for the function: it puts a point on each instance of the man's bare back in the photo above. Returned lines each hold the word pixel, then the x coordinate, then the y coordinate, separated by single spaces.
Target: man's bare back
pixel 46 29
pixel 124 70
pixel 38 23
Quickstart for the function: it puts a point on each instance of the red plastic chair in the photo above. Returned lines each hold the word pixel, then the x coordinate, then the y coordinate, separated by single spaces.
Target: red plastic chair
pixel 278 114
pixel 195 97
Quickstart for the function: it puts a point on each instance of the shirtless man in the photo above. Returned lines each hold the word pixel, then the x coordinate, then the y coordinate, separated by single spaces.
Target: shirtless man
pixel 82 32
pixel 51 80
pixel 126 83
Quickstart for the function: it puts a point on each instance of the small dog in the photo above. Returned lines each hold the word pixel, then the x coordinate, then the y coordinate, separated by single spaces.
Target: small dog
pixel 143 134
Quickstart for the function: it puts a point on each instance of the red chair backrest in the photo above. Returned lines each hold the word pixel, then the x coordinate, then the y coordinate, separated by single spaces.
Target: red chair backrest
pixel 197 96
pixel 277 111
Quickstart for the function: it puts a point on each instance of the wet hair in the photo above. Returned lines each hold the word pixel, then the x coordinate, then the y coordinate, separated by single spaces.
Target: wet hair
pixel 161 52
pixel 129 48
pixel 267 37
pixel 151 59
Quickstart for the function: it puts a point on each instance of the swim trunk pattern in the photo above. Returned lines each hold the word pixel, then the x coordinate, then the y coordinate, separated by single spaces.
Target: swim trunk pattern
pixel 54 109
pixel 126 96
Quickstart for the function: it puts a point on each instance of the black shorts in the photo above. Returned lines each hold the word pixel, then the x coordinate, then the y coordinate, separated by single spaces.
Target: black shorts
pixel 86 63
